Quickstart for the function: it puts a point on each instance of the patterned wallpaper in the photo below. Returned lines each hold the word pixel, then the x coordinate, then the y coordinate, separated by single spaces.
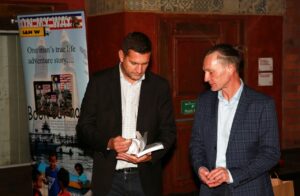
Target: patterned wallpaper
pixel 264 7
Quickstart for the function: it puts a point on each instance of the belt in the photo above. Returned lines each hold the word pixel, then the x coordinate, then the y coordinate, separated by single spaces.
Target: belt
pixel 127 170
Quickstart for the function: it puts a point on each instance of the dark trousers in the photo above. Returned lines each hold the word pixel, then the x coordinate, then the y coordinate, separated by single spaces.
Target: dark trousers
pixel 126 183
pixel 222 190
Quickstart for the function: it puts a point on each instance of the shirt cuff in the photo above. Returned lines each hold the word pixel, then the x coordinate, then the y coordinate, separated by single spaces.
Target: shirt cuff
pixel 230 177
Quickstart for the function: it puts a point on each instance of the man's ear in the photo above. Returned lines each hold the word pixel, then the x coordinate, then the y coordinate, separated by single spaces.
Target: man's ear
pixel 121 56
pixel 231 67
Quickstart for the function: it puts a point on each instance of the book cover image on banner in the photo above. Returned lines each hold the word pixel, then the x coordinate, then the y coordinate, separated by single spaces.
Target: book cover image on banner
pixel 54 54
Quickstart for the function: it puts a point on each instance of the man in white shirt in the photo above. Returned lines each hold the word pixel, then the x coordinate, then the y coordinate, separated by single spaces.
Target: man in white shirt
pixel 118 103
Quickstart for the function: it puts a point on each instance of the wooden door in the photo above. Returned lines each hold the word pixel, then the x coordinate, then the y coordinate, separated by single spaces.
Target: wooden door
pixel 182 45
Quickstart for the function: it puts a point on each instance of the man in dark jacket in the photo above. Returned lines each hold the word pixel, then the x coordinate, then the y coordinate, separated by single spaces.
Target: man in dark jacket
pixel 235 139
pixel 118 103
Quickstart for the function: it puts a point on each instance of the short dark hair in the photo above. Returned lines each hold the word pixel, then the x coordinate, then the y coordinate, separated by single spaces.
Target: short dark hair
pixel 137 41
pixel 52 154
pixel 79 165
pixel 229 54
pixel 63 177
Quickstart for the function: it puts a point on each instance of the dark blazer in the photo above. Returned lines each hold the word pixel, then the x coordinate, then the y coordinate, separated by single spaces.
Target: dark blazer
pixel 253 146
pixel 101 119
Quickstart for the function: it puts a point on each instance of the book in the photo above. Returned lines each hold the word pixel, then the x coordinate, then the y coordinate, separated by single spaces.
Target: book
pixel 63 87
pixel 55 97
pixel 150 148
pixel 42 96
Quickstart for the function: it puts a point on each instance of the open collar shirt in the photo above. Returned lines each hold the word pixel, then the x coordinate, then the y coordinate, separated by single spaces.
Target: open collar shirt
pixel 130 96
pixel 226 113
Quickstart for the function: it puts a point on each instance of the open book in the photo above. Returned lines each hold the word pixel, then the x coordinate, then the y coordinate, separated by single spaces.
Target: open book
pixel 139 148
pixel 150 148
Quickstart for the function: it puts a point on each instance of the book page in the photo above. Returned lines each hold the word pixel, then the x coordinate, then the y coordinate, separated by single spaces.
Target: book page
pixel 150 148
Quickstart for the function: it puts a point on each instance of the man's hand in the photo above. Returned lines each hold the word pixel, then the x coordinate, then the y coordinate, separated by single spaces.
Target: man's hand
pixel 203 173
pixel 215 177
pixel 119 144
pixel 134 159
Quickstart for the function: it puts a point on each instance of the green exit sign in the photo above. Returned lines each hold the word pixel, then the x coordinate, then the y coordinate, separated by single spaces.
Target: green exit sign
pixel 188 106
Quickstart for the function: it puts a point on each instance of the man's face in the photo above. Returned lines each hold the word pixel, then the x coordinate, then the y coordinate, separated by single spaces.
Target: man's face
pixel 78 170
pixel 216 74
pixel 134 64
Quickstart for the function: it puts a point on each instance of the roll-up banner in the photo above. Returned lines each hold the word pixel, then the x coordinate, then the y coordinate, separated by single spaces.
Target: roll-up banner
pixel 54 54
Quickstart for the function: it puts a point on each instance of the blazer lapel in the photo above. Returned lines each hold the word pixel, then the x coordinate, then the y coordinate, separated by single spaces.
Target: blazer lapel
pixel 239 114
pixel 214 129
pixel 116 96
pixel 143 102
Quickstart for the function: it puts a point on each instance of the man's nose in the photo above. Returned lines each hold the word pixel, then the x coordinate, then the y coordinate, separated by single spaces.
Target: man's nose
pixel 206 77
pixel 139 69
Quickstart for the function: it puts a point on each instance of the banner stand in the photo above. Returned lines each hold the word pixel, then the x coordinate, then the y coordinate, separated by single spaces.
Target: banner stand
pixel 54 56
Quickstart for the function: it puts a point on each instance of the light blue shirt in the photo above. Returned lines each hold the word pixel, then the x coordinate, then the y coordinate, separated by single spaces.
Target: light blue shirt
pixel 226 113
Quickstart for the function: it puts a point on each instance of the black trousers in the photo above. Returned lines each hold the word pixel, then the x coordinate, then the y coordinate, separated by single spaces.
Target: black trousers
pixel 126 182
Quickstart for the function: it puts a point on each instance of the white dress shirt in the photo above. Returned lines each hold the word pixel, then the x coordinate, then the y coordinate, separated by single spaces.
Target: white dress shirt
pixel 130 95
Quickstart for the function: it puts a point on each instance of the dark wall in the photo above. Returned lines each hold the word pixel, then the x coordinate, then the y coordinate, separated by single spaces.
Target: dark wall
pixel 16 181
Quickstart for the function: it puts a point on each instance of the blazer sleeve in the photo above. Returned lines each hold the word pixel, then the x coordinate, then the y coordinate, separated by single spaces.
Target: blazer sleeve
pixel 166 124
pixel 197 146
pixel 87 134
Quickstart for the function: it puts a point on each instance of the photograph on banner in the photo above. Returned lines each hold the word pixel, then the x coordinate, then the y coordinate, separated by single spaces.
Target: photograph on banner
pixel 54 56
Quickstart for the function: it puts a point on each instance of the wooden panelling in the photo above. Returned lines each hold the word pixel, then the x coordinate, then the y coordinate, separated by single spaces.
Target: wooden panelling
pixel 106 32
pixel 188 76
pixel 104 36
pixel 264 39
pixel 147 23
pixel 188 53
pixel 179 176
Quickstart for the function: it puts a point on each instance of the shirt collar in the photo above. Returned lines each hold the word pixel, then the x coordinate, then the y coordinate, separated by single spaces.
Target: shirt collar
pixel 236 96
